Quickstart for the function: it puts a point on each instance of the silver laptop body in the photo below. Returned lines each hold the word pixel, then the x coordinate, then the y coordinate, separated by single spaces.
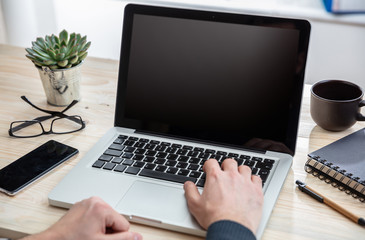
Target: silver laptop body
pixel 203 84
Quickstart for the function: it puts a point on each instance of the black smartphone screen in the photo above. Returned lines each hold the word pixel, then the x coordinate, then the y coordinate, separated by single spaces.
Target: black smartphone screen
pixel 33 165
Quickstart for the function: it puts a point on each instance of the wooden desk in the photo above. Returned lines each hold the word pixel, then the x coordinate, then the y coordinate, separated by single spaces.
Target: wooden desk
pixel 296 215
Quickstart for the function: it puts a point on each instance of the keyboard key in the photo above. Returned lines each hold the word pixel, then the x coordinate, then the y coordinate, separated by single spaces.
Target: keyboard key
pixel 150 166
pixel 183 172
pixel 118 141
pixel 98 164
pixel 149 159
pixel 160 168
pixel 198 149
pixel 123 136
pixel 171 163
pixel 172 157
pixel 192 154
pixel 172 170
pixel 128 162
pixel 160 148
pixel 116 147
pixel 182 165
pixel 154 142
pixel 194 160
pixel 138 164
pixel 263 165
pixel 269 160
pixel 129 149
pixel 139 144
pixel 166 176
pixel 200 183
pixel 138 157
pixel 239 161
pixel 246 157
pixel 128 155
pixel 105 158
pixel 183 159
pixel 132 170
pixel 150 146
pixel 182 152
pixel 161 155
pixel 144 140
pixel 140 151
pixel 133 138
pixel 233 155
pixel 204 155
pixel 129 143
pixel 120 168
pixel 117 160
pixel 171 150
pixel 193 167
pixel 109 166
pixel 165 144
pixel 258 159
pixel 115 153
pixel 222 153
pixel 159 161
pixel 249 163
pixel 188 147
pixel 150 153
pixel 211 151
pixel 176 145
pixel 195 174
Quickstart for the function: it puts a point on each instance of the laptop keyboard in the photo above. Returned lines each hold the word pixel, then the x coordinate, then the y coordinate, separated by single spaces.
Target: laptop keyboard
pixel 170 161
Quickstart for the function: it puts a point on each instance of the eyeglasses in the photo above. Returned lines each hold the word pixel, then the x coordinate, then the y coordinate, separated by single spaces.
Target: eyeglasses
pixel 61 125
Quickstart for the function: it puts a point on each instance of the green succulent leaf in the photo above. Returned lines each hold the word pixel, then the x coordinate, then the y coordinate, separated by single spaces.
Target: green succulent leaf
pixel 63 36
pixel 82 56
pixel 63 63
pixel 74 59
pixel 49 62
pixel 60 56
pixel 53 67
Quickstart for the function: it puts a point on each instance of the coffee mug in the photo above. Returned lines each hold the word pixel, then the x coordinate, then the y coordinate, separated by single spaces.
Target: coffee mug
pixel 335 104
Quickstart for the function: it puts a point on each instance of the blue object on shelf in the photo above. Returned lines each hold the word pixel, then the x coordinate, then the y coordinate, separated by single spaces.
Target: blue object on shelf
pixel 344 6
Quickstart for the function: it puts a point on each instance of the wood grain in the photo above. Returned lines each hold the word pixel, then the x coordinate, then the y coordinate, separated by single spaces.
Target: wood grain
pixel 295 216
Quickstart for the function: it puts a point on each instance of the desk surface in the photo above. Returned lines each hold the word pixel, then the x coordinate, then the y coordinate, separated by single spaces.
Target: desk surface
pixel 295 216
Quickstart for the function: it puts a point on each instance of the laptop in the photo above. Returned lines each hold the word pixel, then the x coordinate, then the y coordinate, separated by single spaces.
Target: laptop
pixel 194 85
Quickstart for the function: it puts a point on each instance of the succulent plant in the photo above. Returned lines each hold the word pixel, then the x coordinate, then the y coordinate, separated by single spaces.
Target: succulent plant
pixel 59 52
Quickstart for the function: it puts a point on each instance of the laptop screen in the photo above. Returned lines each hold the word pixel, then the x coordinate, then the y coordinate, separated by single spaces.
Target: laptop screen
pixel 221 78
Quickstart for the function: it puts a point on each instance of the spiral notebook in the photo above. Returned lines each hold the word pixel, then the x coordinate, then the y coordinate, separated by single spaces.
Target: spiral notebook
pixel 342 164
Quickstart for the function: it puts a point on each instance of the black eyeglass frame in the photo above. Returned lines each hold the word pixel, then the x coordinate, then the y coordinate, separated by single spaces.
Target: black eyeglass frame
pixel 26 123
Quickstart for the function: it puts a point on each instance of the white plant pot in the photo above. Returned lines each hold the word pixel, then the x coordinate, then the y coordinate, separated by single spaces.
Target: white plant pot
pixel 61 86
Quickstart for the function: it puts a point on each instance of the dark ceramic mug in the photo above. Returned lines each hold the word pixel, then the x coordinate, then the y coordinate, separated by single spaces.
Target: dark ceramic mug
pixel 335 104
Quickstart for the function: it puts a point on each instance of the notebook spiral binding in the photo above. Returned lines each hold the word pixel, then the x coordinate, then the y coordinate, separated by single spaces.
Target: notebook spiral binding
pixel 338 178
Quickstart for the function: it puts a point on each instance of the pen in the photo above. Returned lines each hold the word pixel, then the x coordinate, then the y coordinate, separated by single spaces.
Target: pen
pixel 320 198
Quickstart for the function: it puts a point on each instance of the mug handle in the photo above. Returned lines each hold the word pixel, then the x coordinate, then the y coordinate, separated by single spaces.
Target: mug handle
pixel 359 116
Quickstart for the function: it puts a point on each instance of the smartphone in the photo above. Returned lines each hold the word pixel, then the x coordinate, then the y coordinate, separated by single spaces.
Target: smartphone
pixel 22 172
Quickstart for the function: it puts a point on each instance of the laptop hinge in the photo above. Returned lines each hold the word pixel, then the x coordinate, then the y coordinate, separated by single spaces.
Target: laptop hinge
pixel 199 141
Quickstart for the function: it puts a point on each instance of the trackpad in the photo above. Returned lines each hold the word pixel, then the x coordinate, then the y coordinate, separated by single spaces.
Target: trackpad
pixel 154 201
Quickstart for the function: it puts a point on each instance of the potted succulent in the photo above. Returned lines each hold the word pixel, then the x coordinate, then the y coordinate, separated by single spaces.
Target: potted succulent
pixel 58 60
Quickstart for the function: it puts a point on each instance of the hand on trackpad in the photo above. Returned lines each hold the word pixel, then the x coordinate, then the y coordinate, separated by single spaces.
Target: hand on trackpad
pixel 154 201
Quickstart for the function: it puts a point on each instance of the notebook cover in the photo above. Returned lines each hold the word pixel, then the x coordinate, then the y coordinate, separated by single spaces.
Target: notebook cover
pixel 347 153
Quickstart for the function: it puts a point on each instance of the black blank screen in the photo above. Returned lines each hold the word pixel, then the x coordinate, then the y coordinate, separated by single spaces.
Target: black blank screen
pixel 207 80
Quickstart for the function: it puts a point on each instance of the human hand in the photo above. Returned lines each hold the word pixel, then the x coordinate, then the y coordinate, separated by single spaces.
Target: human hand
pixel 89 219
pixel 230 193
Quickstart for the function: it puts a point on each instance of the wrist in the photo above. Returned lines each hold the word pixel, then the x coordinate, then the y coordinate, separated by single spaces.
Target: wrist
pixel 49 235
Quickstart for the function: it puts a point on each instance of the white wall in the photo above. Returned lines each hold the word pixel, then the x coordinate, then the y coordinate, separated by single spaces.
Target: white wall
pixel 337 46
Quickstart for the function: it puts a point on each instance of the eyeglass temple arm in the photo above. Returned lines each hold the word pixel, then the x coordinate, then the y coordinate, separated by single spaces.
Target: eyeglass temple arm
pixel 48 111
pixel 28 123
